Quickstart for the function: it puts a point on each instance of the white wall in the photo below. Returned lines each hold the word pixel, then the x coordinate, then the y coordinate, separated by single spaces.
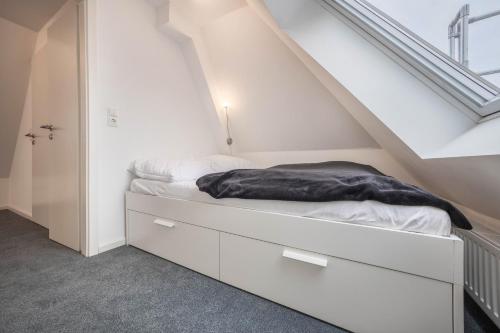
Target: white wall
pixel 16 47
pixel 20 188
pixel 4 192
pixel 172 22
pixel 276 103
pixel 376 157
pixel 203 12
pixel 143 75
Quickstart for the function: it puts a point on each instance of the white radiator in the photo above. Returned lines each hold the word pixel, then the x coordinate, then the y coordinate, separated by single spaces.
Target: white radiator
pixel 482 272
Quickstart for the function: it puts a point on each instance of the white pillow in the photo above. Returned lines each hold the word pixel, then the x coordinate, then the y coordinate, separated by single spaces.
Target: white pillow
pixel 170 170
pixel 188 169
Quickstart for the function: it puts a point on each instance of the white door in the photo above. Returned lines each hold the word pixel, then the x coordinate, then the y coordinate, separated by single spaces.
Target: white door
pixel 40 168
pixel 56 154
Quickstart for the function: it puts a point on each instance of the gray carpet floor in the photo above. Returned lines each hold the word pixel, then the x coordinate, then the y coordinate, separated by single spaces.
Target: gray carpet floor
pixel 45 287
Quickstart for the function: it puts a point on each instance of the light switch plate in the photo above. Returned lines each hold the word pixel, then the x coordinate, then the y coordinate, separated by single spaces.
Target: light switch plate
pixel 112 118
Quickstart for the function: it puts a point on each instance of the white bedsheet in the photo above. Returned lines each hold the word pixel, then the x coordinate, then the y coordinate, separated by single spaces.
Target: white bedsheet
pixel 422 219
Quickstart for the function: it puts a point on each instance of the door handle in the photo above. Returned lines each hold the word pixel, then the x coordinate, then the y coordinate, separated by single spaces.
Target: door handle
pixel 307 257
pixel 49 127
pixel 32 137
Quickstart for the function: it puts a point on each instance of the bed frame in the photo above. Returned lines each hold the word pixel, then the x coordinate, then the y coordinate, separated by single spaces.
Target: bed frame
pixel 361 278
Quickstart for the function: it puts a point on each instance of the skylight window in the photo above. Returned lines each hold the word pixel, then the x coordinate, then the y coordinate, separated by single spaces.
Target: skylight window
pixel 452 44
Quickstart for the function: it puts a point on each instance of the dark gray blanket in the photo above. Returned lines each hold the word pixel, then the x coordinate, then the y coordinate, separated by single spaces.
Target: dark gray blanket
pixel 320 182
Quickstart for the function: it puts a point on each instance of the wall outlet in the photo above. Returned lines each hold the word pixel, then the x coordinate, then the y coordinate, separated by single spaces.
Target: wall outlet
pixel 112 118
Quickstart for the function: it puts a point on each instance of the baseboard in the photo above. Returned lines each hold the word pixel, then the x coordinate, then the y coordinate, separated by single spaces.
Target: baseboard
pixel 20 212
pixel 111 246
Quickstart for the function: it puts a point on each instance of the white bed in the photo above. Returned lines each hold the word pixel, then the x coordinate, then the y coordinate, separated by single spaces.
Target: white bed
pixel 422 219
pixel 341 262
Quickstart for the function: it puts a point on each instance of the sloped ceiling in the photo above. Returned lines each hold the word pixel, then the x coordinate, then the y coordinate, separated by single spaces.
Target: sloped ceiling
pixel 31 14
pixel 16 47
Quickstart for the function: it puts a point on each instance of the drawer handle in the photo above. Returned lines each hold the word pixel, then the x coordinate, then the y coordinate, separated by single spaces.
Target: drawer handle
pixel 306 257
pixel 164 223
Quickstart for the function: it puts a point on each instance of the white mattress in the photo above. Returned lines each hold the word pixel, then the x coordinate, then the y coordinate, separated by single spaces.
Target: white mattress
pixel 422 219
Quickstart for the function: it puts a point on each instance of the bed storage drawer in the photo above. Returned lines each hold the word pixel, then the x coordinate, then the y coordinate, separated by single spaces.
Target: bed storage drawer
pixel 188 245
pixel 355 296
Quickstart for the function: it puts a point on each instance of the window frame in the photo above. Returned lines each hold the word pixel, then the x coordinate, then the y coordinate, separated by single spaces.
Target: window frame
pixel 465 86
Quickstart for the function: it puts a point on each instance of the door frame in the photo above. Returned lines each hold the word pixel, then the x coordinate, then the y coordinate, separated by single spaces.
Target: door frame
pixel 87 75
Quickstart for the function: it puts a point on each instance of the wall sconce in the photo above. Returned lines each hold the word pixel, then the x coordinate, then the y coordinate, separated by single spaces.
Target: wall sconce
pixel 229 139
